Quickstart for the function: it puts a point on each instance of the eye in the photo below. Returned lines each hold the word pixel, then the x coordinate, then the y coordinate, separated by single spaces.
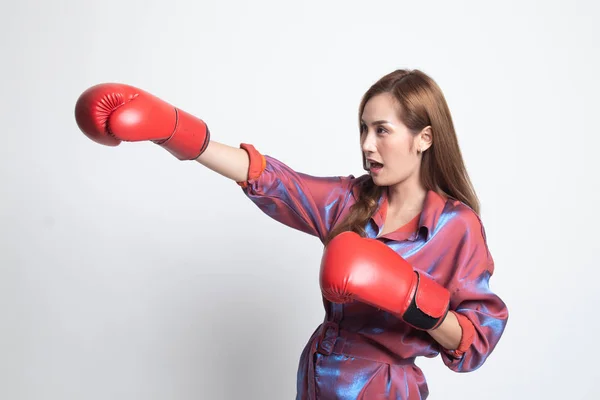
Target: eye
pixel 381 129
pixel 363 128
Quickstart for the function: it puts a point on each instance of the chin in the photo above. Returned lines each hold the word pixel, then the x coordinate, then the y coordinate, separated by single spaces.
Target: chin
pixel 378 181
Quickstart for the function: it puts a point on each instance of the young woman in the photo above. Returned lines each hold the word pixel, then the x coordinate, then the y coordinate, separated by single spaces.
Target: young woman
pixel 406 268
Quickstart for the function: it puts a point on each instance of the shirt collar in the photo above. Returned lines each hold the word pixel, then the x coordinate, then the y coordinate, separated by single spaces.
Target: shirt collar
pixel 433 206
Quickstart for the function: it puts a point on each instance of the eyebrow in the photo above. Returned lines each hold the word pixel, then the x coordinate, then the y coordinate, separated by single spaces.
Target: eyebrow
pixel 378 122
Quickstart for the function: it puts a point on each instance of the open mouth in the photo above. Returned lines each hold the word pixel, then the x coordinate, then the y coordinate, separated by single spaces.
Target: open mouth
pixel 375 166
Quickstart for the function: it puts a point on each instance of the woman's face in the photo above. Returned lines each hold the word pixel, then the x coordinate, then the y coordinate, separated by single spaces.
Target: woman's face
pixel 390 148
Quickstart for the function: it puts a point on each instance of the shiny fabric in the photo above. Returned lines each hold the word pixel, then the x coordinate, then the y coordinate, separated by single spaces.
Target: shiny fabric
pixel 360 352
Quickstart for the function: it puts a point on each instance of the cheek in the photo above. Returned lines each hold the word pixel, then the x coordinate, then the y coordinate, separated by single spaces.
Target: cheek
pixel 400 168
pixel 400 159
pixel 397 151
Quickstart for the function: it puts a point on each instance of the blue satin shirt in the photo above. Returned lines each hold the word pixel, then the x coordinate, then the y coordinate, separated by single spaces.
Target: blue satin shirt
pixel 360 352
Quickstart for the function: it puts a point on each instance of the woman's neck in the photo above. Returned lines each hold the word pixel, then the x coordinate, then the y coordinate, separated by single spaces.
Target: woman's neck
pixel 406 197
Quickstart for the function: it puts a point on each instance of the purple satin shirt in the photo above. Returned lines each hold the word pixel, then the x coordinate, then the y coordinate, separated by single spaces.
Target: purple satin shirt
pixel 360 352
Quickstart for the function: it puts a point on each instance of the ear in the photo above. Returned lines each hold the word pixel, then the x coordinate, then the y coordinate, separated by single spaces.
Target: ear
pixel 425 138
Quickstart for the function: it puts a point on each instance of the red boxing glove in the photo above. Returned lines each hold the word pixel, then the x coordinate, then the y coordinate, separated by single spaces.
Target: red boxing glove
pixel 109 113
pixel 355 268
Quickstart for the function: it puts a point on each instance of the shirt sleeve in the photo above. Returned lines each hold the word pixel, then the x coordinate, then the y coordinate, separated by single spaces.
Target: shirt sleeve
pixel 307 203
pixel 481 314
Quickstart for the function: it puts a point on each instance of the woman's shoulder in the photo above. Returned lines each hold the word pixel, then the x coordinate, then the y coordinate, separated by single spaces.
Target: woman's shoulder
pixel 359 184
pixel 462 217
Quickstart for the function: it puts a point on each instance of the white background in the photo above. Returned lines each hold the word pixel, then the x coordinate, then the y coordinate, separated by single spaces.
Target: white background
pixel 127 274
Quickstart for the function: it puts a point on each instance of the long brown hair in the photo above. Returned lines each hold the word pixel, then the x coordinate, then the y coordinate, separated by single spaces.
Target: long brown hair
pixel 422 104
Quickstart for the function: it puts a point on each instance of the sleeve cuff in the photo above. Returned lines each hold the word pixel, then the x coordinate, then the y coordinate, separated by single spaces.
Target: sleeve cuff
pixel 258 163
pixel 468 334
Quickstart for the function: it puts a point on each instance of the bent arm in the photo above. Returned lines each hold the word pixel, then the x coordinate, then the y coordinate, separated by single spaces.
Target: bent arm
pixel 449 333
pixel 481 314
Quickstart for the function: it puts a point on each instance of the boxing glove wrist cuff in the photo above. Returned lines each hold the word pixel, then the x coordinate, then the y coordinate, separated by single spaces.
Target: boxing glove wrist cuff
pixel 429 305
pixel 190 138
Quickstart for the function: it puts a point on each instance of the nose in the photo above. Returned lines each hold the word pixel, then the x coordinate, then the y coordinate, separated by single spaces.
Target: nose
pixel 368 142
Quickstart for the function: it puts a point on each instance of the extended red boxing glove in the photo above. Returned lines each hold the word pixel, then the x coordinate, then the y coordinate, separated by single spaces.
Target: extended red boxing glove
pixel 355 268
pixel 109 113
